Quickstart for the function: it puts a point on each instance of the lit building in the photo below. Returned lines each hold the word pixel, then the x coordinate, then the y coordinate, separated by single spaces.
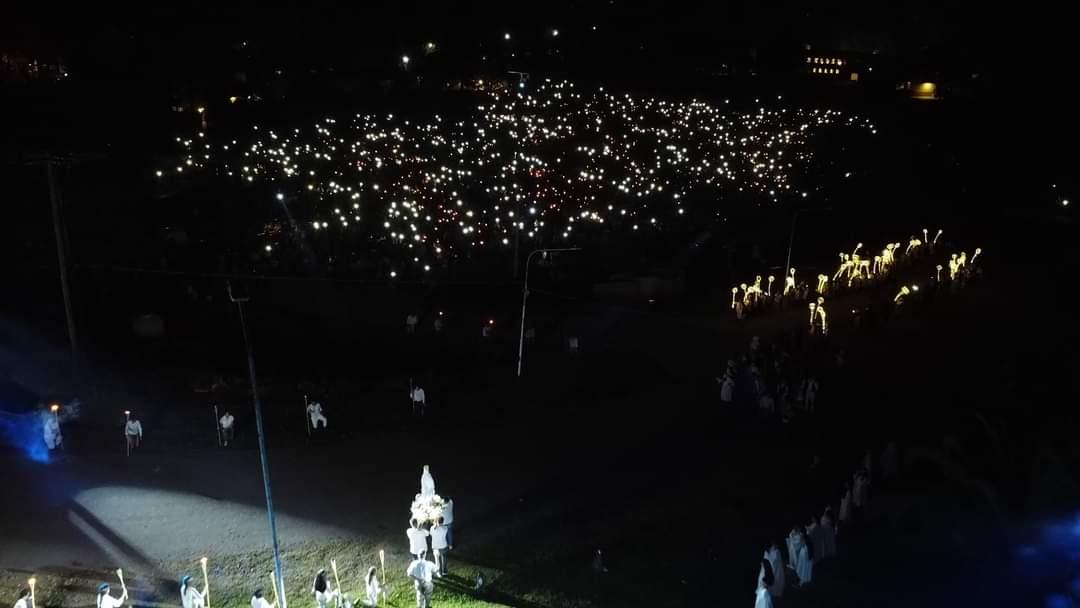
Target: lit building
pixel 829 65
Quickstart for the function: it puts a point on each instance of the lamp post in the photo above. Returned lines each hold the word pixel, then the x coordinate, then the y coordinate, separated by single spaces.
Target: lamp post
pixel 279 584
pixel 791 237
pixel 525 299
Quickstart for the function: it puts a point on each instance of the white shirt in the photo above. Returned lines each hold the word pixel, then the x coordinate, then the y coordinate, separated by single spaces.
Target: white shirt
pixel 418 395
pixel 227 421
pixel 133 427
pixel 421 569
pixel 259 602
pixel 438 537
pixel 23 603
pixel 191 598
pixel 314 408
pixel 417 540
pixel 108 601
pixel 448 512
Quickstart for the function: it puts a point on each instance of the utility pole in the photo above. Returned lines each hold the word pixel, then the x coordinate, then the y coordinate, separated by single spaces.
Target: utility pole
pixel 525 299
pixel 279 575
pixel 61 254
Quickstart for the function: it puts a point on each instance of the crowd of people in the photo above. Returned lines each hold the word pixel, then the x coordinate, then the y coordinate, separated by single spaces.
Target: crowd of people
pixel 430 534
pixel 770 379
pixel 854 272
pixel 546 162
pixel 815 541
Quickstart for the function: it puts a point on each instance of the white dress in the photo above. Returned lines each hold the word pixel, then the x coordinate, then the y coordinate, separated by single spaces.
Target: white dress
pixel 764 600
pixel 804 566
pixel 427 483
pixel 828 537
pixel 373 591
pixel 777 562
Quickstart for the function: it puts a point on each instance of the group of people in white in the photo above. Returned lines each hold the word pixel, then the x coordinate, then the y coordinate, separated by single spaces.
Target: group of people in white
pixel 815 542
pixel 421 571
pixel 438 528
pixel 769 381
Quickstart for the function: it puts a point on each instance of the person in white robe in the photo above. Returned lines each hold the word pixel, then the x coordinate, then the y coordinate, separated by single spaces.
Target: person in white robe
pixel 427 483
pixel 315 415
pixel 104 600
pixel 828 534
pixel 799 554
pixel 845 506
pixel 813 538
pixel 861 492
pixel 190 597
pixel 50 428
pixel 24 599
pixel 763 597
pixel 258 601
pixel 372 588
pixel 777 562
pixel 727 390
pixel 422 572
pixel 325 595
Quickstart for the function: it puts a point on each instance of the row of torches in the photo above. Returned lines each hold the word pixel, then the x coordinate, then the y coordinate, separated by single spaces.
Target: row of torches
pixel 853 268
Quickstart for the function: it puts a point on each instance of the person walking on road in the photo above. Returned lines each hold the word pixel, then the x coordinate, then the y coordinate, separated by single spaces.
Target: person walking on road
pixel 133 431
pixel 227 421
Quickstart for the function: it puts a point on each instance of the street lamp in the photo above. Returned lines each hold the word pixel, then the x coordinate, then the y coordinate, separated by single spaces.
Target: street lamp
pixel 525 299
pixel 791 236
pixel 279 575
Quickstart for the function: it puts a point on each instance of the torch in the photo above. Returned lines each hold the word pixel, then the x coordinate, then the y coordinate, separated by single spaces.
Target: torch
pixel 307 418
pixel 768 291
pixel 120 575
pixel 273 584
pixel 55 408
pixel 382 562
pixel 127 444
pixel 734 291
pixel 337 581
pixel 206 583
pixel 217 426
pixel 32 582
